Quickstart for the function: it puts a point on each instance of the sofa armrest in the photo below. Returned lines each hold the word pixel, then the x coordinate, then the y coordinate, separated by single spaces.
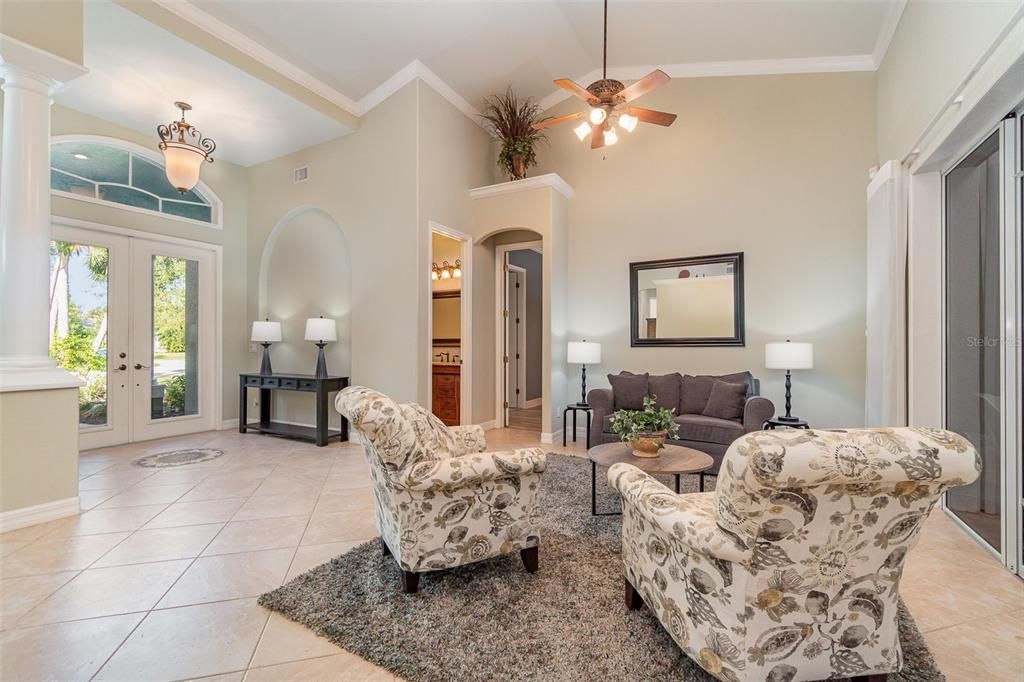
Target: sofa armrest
pixel 470 470
pixel 688 518
pixel 602 400
pixel 756 412
pixel 468 439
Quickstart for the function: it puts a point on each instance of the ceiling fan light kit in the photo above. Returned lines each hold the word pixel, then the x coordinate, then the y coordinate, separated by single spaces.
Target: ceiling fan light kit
pixel 609 103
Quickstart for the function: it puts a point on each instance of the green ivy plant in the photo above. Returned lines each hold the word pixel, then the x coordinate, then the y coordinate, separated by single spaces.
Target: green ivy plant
pixel 631 424
pixel 511 120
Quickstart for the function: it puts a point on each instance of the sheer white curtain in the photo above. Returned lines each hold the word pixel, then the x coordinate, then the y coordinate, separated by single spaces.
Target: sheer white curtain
pixel 885 395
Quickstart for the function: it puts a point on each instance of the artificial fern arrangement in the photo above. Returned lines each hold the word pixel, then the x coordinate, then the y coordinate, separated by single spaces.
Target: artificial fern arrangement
pixel 630 425
pixel 511 120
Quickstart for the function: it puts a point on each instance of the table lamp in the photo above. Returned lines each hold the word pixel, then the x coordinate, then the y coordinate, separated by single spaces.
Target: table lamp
pixel 320 331
pixel 265 332
pixel 584 353
pixel 788 356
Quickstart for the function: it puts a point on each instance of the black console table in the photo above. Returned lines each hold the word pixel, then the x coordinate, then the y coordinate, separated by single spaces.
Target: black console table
pixel 307 383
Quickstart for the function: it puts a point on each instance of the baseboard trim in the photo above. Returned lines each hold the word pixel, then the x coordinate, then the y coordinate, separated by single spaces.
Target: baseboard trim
pixel 536 402
pixel 487 426
pixel 550 438
pixel 40 513
pixel 229 424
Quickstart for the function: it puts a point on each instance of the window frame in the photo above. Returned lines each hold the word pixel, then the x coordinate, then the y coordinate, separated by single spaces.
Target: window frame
pixel 216 205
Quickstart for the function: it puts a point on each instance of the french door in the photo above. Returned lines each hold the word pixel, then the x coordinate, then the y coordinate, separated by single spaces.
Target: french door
pixel 983 196
pixel 135 319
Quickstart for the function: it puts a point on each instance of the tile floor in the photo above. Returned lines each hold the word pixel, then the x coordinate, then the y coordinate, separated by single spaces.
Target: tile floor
pixel 158 577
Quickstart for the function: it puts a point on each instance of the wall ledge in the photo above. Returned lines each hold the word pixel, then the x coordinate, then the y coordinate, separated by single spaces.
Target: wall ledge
pixel 552 180
pixel 39 513
pixel 39 378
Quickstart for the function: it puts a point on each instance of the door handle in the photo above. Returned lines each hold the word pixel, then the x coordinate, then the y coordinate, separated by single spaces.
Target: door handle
pixel 141 366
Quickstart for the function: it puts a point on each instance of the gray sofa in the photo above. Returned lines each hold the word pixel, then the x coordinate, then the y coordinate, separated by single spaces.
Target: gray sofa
pixel 705 433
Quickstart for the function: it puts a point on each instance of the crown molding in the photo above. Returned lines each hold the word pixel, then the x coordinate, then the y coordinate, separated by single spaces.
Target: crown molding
pixel 757 67
pixel 410 72
pixel 552 180
pixel 888 30
pixel 16 55
pixel 236 39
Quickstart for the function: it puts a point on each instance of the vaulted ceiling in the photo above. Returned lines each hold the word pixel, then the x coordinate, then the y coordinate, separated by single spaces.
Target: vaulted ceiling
pixel 354 53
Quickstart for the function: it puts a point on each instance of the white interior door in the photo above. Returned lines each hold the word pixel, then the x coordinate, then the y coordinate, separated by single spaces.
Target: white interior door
pixel 172 339
pixel 514 324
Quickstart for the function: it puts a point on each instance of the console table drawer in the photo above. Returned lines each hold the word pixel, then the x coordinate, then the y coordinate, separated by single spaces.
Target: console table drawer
pixel 289 383
pixel 270 382
pixel 252 381
pixel 307 385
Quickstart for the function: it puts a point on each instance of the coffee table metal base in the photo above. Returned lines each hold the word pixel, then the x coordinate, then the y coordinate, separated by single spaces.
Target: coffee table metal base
pixel 593 492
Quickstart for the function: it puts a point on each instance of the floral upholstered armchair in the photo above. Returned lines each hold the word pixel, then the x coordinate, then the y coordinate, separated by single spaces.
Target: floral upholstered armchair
pixel 790 570
pixel 441 501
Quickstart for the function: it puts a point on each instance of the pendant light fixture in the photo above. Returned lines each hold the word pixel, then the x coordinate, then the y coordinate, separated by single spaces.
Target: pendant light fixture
pixel 184 149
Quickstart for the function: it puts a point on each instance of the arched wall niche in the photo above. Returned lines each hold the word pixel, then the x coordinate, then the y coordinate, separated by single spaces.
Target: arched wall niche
pixel 306 271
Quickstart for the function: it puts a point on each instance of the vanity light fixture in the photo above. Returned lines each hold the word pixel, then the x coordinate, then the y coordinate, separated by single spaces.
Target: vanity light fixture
pixel 446 270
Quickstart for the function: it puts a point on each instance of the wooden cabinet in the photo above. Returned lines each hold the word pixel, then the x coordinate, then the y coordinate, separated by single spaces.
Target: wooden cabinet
pixel 447 394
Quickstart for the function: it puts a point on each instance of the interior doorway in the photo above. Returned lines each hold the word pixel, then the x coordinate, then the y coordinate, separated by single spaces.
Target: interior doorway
pixel 136 320
pixel 520 314
pixel 450 325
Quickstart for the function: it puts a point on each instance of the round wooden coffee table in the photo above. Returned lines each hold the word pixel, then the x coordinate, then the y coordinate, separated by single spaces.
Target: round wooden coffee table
pixel 674 460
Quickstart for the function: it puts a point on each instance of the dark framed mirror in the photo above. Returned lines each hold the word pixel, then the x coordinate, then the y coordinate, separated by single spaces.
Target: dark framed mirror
pixel 694 301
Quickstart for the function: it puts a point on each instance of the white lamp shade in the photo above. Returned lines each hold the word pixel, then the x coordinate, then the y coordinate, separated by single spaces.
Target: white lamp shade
pixel 265 331
pixel 182 163
pixel 789 355
pixel 321 329
pixel 584 353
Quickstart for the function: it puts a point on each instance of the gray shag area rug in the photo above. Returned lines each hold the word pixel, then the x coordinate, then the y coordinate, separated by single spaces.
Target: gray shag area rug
pixel 492 620
pixel 178 458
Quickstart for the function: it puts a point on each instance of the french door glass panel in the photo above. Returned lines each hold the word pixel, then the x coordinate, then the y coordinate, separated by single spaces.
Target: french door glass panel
pixel 974 332
pixel 175 353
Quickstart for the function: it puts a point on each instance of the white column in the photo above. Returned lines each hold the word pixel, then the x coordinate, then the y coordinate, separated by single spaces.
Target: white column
pixel 30 76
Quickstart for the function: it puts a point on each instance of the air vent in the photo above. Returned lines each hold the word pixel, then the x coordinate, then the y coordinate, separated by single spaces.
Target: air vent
pixel 301 174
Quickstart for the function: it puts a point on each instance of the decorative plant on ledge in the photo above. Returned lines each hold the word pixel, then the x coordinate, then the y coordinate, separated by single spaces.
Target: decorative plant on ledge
pixel 645 430
pixel 511 121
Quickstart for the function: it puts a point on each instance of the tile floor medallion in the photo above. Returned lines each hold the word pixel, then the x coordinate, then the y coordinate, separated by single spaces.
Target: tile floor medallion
pixel 158 577
pixel 177 458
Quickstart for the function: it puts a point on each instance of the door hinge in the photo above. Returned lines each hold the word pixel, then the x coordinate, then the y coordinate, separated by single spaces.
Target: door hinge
pixel 517 391
pixel 517 285
pixel 517 356
pixel 505 359
pixel 505 267
pixel 504 313
pixel 517 320
pixel 506 404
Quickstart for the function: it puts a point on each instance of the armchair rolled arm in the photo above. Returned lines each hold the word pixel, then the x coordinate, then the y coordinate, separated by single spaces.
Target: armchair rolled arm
pixel 470 470
pixel 468 439
pixel 688 517
pixel 756 412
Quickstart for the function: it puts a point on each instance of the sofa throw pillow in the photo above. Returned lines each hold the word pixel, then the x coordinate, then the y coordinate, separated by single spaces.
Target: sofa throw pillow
pixel 628 391
pixel 665 389
pixel 694 394
pixel 726 401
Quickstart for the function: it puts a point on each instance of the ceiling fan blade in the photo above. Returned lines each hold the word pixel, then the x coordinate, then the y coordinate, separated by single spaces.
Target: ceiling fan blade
pixel 597 139
pixel 548 122
pixel 643 86
pixel 576 89
pixel 651 116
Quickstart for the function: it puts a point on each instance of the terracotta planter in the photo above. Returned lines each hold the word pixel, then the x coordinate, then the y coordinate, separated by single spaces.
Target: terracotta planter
pixel 648 444
pixel 518 167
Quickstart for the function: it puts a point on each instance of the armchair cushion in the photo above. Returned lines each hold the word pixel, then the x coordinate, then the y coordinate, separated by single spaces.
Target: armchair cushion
pixel 701 429
pixel 628 391
pixel 468 439
pixel 471 470
pixel 688 518
pixel 433 439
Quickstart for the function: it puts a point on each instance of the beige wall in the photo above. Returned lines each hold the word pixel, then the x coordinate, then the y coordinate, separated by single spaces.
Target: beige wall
pixel 366 183
pixel 38 447
pixel 935 47
pixel 51 25
pixel 774 166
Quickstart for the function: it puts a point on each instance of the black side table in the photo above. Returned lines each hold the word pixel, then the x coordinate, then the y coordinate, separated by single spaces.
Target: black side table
pixel 776 423
pixel 576 408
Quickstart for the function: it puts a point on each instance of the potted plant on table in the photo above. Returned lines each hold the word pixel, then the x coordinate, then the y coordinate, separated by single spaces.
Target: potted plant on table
pixel 645 430
pixel 511 120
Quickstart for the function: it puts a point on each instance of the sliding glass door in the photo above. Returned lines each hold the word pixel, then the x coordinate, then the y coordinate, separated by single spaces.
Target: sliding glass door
pixel 982 197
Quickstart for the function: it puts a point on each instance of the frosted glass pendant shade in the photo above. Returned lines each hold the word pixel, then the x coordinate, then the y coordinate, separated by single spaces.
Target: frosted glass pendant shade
pixel 182 163
pixel 320 329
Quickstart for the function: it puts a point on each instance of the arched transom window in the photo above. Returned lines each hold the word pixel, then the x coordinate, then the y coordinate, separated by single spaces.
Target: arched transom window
pixel 118 173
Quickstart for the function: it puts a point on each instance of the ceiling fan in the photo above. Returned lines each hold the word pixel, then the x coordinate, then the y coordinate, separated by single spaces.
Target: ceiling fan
pixel 609 102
